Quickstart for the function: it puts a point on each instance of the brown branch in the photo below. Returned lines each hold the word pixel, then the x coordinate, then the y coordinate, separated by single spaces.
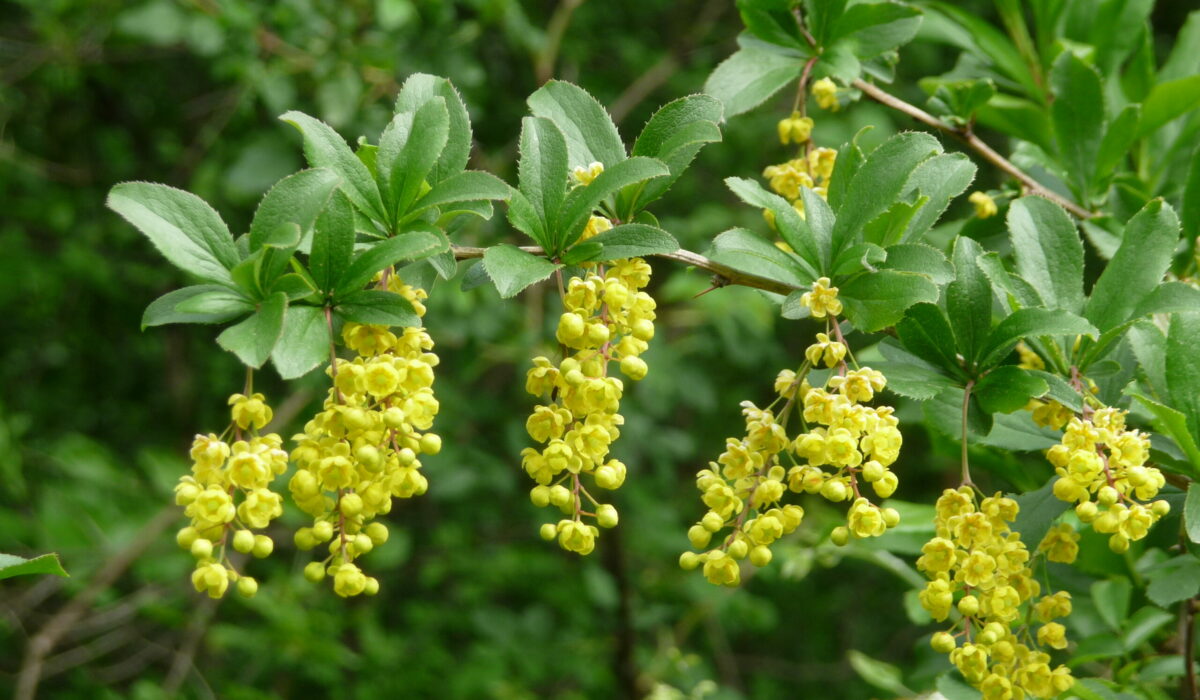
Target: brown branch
pixel 723 275
pixel 968 137
pixel 543 63
pixel 44 641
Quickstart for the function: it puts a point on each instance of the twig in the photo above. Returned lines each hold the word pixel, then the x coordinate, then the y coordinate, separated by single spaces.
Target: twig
pixel 184 661
pixel 43 642
pixel 723 275
pixel 975 143
pixel 543 63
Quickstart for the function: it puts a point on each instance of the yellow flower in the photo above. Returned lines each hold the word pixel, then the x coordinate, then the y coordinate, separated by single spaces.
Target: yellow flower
pixel 1061 544
pixel 211 578
pixel 721 569
pixel 825 91
pixel 250 411
pixel 822 300
pixel 585 174
pixel 985 206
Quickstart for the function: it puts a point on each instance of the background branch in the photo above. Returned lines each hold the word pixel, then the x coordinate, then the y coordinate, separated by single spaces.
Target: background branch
pixel 976 144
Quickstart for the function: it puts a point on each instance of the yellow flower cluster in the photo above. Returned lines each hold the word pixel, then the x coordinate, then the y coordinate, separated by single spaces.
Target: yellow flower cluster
pixel 825 92
pixel 843 442
pixel 976 558
pixel 607 318
pixel 361 450
pixel 229 491
pixel 1098 457
pixel 795 129
pixel 812 171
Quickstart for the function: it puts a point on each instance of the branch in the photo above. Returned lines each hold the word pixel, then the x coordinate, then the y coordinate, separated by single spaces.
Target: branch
pixel 968 137
pixel 723 275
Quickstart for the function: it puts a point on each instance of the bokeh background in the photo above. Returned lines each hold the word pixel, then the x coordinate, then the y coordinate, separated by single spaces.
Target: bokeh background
pixel 95 415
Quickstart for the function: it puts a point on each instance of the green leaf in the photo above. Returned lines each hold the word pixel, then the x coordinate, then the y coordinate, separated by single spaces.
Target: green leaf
pixel 1174 580
pixel 590 133
pixel 333 243
pixel 874 28
pixel 162 310
pixel 1190 209
pixel 920 259
pixel 323 148
pixel 909 375
pixel 1025 119
pixel 1030 323
pixel 1173 424
pixel 467 186
pixel 674 135
pixel 253 340
pixel 849 159
pixel 881 675
pixel 1137 267
pixel 1048 251
pixel 512 269
pixel 1057 389
pixel 296 199
pixel 1078 116
pixel 822 17
pixel 421 88
pixel 969 300
pixel 406 247
pixel 957 101
pixel 1111 598
pixel 878 182
pixel 941 178
pixel 1012 290
pixel 747 78
pixel 877 300
pixel 1118 142
pixel 951 687
pixel 11 565
pixel 584 199
pixel 925 332
pixel 1169 298
pixel 542 177
pixel 220 301
pixel 525 218
pixel 377 307
pixel 1143 624
pixel 1191 512
pixel 1037 511
pixel 188 232
pixel 304 343
pixel 1183 369
pixel 1007 389
pixel 408 150
pixel 742 249
pixel 772 22
pixel 632 240
pixel 977 36
pixel 811 245
pixel 1016 432
pixel 1167 101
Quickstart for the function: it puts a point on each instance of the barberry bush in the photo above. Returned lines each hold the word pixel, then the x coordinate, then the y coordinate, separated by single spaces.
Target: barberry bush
pixel 985 384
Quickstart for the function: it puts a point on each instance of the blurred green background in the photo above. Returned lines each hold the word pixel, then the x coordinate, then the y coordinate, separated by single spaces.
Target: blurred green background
pixel 95 416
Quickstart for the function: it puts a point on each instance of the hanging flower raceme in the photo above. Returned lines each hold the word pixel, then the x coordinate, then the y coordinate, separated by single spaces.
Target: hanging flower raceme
pixel 363 448
pixel 607 318
pixel 228 496
pixel 842 444
pixel 980 574
pixel 1101 467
